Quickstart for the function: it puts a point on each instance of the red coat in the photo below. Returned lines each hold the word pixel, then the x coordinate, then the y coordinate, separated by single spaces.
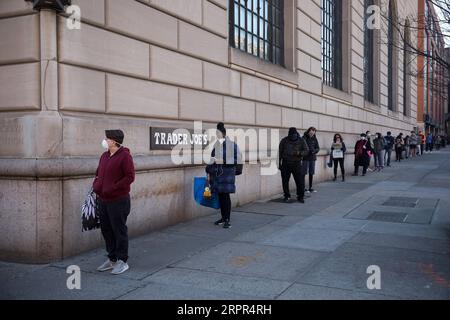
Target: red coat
pixel 114 175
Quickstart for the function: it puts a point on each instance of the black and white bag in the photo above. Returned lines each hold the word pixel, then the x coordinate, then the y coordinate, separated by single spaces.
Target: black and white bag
pixel 90 219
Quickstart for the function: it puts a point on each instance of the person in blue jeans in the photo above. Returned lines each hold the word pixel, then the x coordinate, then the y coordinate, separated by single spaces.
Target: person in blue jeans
pixel 389 139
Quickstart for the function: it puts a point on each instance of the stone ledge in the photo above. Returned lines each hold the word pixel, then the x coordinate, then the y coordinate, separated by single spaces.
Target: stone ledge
pixel 54 168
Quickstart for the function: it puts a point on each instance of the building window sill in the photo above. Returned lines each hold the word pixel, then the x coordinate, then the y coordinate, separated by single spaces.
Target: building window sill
pixel 345 97
pixel 258 65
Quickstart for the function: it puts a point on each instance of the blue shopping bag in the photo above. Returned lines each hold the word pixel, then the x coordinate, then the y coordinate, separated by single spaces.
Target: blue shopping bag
pixel 199 187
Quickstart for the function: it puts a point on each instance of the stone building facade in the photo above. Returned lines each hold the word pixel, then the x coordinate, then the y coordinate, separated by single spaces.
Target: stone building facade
pixel 165 63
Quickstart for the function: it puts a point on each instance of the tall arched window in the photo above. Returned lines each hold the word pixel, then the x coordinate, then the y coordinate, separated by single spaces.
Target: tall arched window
pixel 407 71
pixel 392 56
pixel 332 43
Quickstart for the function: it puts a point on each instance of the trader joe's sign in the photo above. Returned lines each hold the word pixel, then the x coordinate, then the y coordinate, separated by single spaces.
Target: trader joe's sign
pixel 167 138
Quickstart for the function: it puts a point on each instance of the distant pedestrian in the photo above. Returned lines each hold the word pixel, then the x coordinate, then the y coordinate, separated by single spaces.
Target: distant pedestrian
pixel 389 139
pixel 413 141
pixel 309 163
pixel 338 150
pixel 422 141
pixel 399 143
pixel 429 143
pixel 378 149
pixel 114 175
pixel 406 146
pixel 363 151
pixel 370 142
pixel 291 151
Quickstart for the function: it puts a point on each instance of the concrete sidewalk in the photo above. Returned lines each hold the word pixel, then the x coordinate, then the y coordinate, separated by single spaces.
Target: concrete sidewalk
pixel 398 219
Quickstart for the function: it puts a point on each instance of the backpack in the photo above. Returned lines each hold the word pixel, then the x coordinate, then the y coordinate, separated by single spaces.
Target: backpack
pixel 89 212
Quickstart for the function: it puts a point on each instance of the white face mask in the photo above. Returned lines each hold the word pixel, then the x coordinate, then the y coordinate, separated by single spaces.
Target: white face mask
pixel 221 140
pixel 105 144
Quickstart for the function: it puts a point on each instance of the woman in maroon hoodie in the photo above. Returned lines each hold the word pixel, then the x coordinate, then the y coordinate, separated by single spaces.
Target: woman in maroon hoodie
pixel 113 178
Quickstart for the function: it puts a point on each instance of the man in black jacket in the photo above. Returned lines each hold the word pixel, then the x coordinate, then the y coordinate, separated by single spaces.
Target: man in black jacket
pixel 291 151
pixel 309 164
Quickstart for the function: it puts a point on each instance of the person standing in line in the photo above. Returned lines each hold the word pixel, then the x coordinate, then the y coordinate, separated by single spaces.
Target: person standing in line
pixel 309 162
pixel 429 143
pixel 225 157
pixel 362 154
pixel 291 151
pixel 114 175
pixel 399 143
pixel 338 150
pixel 388 148
pixel 379 146
pixel 406 143
pixel 370 142
pixel 421 140
pixel 413 141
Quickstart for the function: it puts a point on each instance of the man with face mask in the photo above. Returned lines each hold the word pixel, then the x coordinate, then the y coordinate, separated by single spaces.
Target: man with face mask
pixel 113 178
pixel 362 154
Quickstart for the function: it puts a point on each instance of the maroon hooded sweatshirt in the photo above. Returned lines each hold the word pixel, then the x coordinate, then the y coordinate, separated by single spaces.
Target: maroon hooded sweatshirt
pixel 114 175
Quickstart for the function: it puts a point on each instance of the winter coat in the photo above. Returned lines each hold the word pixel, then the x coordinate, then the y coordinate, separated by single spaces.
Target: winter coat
pixel 223 176
pixel 378 145
pixel 413 139
pixel 362 158
pixel 313 146
pixel 293 148
pixel 114 175
pixel 389 142
pixel 399 143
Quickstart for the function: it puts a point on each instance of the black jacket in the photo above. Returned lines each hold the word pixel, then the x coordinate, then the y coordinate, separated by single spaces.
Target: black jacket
pixel 313 146
pixel 292 148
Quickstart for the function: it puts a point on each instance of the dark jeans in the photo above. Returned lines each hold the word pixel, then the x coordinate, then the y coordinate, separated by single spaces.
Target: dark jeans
pixel 294 168
pixel 398 154
pixel 364 169
pixel 387 154
pixel 341 164
pixel 113 219
pixel 429 147
pixel 225 205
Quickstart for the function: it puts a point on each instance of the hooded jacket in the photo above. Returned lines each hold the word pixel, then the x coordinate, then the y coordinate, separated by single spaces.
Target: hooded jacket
pixel 114 175
pixel 292 148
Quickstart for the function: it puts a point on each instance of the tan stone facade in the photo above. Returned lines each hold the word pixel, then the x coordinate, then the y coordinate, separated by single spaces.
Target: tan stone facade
pixel 138 64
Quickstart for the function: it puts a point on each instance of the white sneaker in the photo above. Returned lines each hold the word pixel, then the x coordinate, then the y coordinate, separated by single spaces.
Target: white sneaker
pixel 107 265
pixel 120 267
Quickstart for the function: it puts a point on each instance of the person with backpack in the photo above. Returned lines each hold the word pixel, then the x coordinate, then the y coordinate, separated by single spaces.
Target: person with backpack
pixel 363 150
pixel 338 150
pixel 291 151
pixel 225 161
pixel 399 143
pixel 309 163
pixel 389 139
pixel 378 149
pixel 114 175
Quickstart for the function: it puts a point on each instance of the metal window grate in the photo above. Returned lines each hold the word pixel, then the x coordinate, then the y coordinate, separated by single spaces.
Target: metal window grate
pixel 257 27
pixel 332 43
pixel 369 49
